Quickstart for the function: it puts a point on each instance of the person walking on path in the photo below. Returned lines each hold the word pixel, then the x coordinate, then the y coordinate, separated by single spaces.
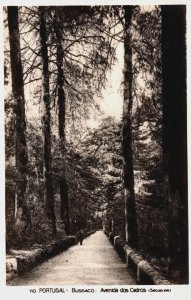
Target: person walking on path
pixel 81 236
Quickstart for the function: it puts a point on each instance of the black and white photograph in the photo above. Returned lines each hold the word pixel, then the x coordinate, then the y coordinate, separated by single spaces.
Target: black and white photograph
pixel 96 149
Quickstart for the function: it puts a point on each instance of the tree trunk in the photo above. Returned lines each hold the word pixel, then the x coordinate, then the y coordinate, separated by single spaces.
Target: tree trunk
pixel 46 119
pixel 61 124
pixel 175 136
pixel 131 221
pixel 22 217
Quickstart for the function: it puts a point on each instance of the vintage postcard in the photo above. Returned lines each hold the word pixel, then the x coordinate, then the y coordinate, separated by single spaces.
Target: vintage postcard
pixel 95 149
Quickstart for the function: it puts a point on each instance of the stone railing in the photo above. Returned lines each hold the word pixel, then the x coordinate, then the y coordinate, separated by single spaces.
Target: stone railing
pixel 21 261
pixel 145 273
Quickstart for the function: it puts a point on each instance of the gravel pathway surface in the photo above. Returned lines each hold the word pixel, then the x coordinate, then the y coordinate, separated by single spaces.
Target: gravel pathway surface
pixel 93 263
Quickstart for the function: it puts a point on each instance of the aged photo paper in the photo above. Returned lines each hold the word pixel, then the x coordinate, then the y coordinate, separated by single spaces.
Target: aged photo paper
pixel 95 149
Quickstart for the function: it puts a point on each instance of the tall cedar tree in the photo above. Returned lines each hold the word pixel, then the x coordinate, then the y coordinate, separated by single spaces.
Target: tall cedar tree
pixel 131 222
pixel 22 217
pixel 61 125
pixel 46 118
pixel 175 135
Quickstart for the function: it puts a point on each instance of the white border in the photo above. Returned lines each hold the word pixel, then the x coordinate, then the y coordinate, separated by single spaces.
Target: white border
pixel 178 292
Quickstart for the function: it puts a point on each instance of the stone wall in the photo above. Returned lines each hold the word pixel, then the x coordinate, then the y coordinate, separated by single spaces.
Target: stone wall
pixel 145 272
pixel 21 261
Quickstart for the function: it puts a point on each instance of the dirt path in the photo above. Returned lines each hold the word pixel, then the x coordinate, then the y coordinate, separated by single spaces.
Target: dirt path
pixel 95 262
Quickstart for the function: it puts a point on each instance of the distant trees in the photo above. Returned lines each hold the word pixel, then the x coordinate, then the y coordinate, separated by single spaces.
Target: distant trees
pixel 101 152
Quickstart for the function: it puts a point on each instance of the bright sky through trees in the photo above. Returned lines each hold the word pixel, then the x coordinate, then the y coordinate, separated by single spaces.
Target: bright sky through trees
pixel 111 102
pixel 112 95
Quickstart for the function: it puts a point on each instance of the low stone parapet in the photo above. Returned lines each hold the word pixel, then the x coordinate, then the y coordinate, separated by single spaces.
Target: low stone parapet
pixel 144 271
pixel 21 261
